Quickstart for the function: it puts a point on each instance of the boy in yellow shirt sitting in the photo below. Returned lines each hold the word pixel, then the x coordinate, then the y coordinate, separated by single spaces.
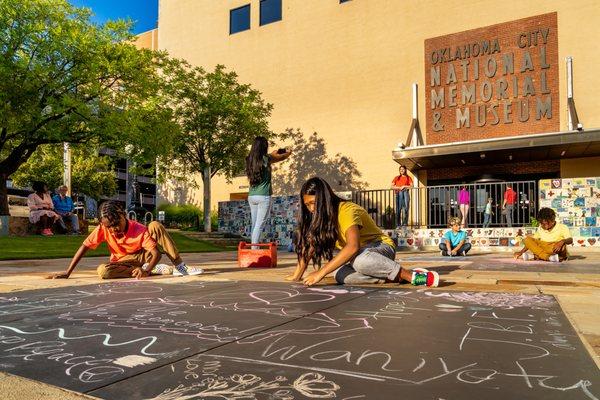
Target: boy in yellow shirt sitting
pixel 550 241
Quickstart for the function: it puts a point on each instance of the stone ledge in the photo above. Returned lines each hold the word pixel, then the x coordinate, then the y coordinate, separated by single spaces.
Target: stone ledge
pixel 20 226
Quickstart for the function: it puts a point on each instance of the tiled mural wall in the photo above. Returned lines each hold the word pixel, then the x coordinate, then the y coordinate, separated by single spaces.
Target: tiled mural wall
pixel 478 237
pixel 234 217
pixel 577 204
pixel 576 201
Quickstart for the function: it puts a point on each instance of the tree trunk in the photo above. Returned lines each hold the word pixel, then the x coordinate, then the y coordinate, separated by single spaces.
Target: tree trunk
pixel 3 194
pixel 206 198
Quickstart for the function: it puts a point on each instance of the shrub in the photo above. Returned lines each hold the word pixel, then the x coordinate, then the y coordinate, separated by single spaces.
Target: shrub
pixel 184 216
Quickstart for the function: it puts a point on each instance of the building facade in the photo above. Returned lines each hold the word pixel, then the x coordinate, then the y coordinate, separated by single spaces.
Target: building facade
pixel 492 88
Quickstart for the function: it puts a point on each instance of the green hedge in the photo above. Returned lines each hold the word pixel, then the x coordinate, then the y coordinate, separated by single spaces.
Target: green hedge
pixel 186 216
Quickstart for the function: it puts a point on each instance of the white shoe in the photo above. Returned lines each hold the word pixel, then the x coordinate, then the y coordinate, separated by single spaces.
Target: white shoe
pixel 526 257
pixel 161 269
pixel 554 258
pixel 184 270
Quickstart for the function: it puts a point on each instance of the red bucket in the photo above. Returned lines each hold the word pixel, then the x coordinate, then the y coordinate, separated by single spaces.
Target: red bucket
pixel 263 257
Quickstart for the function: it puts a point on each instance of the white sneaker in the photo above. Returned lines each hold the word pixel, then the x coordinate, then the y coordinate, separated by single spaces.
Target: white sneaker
pixel 161 269
pixel 554 258
pixel 183 269
pixel 526 257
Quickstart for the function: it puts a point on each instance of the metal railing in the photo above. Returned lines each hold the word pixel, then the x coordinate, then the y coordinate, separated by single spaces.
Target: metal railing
pixel 382 206
pixel 432 206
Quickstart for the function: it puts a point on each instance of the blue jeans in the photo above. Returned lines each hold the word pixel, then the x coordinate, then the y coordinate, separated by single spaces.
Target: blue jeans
pixel 509 214
pixel 402 203
pixel 260 208
pixel 374 263
pixel 464 249
pixel 486 220
pixel 74 222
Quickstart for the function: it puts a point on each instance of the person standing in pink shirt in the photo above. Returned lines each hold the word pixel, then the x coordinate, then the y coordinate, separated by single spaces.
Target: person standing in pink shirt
pixel 464 202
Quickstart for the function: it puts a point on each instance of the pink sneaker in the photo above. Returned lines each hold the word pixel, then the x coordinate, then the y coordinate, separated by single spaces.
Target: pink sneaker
pixel 47 232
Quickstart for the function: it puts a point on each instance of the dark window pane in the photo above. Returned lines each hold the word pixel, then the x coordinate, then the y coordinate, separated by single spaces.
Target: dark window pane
pixel 343 1
pixel 239 19
pixel 270 11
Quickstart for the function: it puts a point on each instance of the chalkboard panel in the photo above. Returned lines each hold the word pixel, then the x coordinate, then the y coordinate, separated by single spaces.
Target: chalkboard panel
pixel 249 340
pixel 86 337
pixel 392 344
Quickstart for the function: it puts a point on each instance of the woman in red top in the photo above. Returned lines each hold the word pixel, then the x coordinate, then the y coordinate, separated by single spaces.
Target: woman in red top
pixel 402 184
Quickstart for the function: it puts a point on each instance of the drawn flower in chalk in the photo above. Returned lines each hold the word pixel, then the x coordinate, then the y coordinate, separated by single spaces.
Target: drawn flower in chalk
pixel 283 395
pixel 252 387
pixel 314 385
pixel 246 379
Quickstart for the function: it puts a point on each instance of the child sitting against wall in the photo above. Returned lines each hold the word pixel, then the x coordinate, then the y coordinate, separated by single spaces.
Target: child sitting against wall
pixel 549 243
pixel 454 242
pixel 133 248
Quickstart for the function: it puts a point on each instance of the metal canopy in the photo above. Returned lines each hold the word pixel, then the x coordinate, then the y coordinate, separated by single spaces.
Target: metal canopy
pixel 535 147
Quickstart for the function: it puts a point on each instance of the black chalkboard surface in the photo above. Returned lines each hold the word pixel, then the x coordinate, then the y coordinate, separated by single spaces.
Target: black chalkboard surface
pixel 256 340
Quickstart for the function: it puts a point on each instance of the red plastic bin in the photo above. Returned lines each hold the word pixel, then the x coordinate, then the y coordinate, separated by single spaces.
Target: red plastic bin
pixel 263 257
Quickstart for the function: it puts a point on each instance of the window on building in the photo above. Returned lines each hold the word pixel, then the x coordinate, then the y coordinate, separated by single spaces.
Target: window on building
pixel 343 1
pixel 239 19
pixel 270 11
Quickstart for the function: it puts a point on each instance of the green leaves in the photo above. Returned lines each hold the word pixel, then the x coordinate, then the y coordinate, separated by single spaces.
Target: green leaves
pixel 91 173
pixel 218 118
pixel 65 79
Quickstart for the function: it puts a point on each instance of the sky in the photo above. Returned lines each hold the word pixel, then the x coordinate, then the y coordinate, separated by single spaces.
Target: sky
pixel 144 13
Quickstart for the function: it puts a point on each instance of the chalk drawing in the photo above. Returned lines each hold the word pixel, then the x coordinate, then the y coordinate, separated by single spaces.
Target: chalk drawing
pixel 499 300
pixel 337 291
pixel 249 386
pixel 133 360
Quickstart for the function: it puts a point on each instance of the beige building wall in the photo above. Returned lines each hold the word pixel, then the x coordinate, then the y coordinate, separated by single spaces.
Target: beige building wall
pixel 345 70
pixel 580 167
pixel 147 40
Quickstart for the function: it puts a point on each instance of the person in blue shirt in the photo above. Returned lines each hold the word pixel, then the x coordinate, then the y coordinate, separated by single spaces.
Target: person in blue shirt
pixel 454 242
pixel 63 205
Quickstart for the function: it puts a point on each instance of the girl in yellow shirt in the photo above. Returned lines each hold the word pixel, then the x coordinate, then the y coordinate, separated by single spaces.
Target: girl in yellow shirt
pixel 366 254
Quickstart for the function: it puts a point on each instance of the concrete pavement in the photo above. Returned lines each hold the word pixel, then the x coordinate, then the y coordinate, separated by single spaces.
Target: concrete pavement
pixel 575 283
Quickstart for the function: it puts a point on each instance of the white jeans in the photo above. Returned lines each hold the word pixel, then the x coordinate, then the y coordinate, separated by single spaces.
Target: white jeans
pixel 260 208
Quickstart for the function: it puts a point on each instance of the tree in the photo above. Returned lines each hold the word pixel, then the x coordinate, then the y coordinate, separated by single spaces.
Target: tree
pixel 64 79
pixel 91 173
pixel 219 118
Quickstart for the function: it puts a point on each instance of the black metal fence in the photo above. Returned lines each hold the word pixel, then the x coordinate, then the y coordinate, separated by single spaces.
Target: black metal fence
pixel 432 206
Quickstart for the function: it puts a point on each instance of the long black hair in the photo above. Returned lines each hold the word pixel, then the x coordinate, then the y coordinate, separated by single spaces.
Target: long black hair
pixel 318 231
pixel 255 160
pixel 38 186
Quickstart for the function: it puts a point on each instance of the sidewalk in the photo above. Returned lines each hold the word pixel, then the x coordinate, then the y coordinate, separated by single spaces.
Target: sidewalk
pixel 575 284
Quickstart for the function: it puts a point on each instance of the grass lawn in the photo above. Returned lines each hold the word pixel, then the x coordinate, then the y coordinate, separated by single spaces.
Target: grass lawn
pixel 59 246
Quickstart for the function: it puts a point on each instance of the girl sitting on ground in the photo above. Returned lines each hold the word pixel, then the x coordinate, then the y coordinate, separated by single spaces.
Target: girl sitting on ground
pixel 41 209
pixel 366 254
